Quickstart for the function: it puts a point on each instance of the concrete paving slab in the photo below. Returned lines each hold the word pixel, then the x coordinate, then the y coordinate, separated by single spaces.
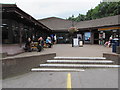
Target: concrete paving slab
pixel 90 78
pixel 66 50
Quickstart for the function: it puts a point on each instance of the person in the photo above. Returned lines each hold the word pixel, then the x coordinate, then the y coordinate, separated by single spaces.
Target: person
pixel 40 44
pixel 55 39
pixel 28 45
pixel 79 38
pixel 52 38
pixel 108 43
pixel 49 42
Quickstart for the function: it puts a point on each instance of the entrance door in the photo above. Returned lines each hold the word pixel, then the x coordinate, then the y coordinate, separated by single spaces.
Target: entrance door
pixel 96 38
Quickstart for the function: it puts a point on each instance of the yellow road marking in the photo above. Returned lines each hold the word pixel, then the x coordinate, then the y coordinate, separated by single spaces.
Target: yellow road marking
pixel 69 85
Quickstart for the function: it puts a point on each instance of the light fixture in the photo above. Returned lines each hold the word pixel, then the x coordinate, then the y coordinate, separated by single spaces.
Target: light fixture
pixel 22 17
pixel 114 30
pixel 1 26
pixel 4 24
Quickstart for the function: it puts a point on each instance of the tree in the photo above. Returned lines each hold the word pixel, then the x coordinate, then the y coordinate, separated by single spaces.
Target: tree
pixel 103 9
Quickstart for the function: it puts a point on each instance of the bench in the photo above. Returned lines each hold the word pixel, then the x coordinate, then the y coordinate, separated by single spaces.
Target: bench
pixel 34 45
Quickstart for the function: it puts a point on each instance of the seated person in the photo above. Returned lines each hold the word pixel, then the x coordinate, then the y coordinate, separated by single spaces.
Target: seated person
pixel 28 45
pixel 40 44
pixel 108 44
pixel 49 42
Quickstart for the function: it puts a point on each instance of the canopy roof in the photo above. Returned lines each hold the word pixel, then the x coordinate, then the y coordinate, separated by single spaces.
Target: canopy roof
pixel 55 23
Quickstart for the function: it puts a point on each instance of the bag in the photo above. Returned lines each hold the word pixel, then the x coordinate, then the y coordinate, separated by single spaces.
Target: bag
pixel 39 48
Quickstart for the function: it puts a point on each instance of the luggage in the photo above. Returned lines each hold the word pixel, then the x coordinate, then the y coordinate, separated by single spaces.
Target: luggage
pixel 39 48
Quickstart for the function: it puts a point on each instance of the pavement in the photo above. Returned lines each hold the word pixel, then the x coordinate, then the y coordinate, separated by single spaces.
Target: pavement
pixel 66 50
pixel 12 49
pixel 90 78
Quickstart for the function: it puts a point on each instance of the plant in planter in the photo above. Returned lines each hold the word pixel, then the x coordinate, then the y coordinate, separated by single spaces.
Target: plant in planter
pixel 71 31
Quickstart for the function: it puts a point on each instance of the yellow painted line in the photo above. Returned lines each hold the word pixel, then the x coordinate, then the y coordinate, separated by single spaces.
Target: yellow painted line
pixel 69 85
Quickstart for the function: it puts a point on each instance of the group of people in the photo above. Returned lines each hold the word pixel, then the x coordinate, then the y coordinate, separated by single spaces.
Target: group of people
pixel 40 44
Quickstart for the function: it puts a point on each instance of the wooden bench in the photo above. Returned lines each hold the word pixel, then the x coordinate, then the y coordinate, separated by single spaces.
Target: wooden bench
pixel 34 45
pixel 45 45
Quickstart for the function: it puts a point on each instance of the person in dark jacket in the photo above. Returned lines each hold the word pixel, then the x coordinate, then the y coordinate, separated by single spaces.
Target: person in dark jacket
pixel 40 44
pixel 28 45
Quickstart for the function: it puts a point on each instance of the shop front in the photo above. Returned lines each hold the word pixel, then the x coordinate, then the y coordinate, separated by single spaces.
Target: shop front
pixel 105 34
pixel 17 26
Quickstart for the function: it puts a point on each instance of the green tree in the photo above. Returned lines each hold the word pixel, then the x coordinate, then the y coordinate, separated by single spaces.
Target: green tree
pixel 103 9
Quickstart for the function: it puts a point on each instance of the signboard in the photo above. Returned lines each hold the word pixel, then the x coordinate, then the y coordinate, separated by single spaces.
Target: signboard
pixel 109 28
pixel 75 42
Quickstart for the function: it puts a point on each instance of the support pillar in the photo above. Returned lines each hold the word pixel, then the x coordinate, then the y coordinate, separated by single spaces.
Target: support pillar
pixel 92 37
pixel 20 32
pixel 10 31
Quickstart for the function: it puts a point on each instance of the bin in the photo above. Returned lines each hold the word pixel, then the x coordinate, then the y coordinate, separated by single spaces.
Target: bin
pixel 80 43
pixel 115 43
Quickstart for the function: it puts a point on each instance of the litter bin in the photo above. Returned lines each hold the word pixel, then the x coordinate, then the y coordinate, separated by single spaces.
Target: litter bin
pixel 115 43
pixel 80 43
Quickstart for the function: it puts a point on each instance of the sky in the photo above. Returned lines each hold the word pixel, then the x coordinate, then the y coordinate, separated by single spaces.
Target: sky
pixel 40 9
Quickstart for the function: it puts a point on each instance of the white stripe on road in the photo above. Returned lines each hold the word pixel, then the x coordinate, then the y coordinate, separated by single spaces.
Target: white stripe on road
pixel 79 61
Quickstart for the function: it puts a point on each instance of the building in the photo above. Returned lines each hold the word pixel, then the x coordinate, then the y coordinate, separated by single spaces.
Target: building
pixel 100 30
pixel 59 27
pixel 17 25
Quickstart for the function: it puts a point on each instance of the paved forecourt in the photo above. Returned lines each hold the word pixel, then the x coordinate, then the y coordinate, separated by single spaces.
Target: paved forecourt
pixel 66 50
pixel 90 78
pixel 84 78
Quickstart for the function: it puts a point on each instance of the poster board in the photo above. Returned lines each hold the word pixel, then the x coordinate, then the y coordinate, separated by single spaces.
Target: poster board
pixel 75 42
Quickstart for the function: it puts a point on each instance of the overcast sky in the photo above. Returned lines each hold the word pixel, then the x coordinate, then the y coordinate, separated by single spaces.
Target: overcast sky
pixel 58 8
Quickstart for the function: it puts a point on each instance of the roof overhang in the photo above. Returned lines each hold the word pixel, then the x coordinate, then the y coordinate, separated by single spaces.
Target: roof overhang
pixel 20 15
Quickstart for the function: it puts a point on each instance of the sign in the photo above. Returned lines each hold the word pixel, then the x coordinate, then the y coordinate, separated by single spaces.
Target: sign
pixel 75 42
pixel 109 28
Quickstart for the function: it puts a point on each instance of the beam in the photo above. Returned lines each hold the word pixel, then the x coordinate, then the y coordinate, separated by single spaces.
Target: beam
pixel 109 28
